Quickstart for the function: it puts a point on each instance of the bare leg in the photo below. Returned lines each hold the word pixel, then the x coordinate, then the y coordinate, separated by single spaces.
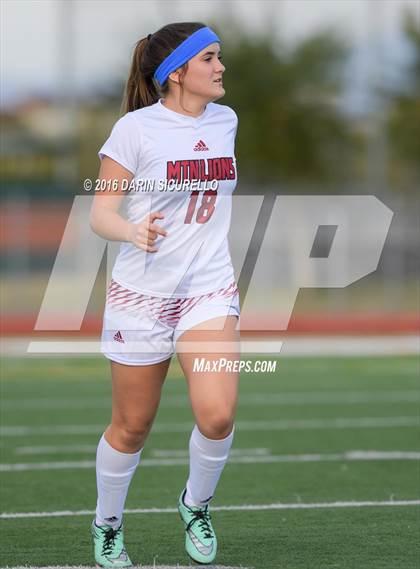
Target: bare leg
pixel 136 392
pixel 213 395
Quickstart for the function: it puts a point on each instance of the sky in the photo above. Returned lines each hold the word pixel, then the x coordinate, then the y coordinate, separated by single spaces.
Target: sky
pixel 48 46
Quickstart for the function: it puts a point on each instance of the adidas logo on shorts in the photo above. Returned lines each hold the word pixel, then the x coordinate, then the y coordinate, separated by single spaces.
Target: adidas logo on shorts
pixel 118 337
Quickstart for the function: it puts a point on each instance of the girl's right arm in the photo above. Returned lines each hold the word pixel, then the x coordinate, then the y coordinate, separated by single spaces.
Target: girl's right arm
pixel 105 220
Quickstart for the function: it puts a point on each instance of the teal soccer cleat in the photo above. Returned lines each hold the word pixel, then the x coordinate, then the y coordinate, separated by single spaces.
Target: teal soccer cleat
pixel 109 547
pixel 200 539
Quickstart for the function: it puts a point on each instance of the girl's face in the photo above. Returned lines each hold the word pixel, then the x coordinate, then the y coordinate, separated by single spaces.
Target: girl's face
pixel 204 74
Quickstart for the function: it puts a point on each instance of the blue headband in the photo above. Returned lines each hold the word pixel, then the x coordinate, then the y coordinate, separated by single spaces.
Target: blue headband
pixel 185 51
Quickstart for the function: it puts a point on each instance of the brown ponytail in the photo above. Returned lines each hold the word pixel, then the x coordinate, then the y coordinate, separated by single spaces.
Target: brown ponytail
pixel 141 88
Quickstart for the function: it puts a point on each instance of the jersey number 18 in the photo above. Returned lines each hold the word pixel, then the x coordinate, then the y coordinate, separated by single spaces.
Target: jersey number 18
pixel 206 209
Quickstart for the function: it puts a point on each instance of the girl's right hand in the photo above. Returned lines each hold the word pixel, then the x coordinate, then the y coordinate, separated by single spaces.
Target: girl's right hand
pixel 144 234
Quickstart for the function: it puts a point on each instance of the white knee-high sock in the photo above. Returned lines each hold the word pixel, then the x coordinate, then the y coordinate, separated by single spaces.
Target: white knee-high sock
pixel 207 460
pixel 114 471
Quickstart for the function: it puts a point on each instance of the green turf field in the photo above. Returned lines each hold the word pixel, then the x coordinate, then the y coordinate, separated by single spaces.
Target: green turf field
pixel 297 433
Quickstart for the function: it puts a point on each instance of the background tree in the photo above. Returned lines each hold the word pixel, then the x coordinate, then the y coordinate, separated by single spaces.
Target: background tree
pixel 290 129
pixel 403 124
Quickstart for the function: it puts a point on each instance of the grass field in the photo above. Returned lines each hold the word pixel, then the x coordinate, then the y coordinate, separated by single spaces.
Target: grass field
pixel 312 437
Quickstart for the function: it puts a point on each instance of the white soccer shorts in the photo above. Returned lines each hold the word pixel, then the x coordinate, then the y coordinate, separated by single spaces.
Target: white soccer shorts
pixel 143 330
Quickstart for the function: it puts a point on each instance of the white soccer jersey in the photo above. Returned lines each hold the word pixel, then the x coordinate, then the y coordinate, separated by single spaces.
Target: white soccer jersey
pixel 184 167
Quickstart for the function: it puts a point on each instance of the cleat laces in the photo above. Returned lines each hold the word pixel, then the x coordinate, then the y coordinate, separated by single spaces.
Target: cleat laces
pixel 203 518
pixel 109 541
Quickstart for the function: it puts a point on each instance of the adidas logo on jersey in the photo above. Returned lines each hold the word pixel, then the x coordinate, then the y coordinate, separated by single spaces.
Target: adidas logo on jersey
pixel 201 145
pixel 118 337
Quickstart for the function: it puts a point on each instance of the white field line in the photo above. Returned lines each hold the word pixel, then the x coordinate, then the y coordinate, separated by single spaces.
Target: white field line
pixel 167 453
pixel 351 345
pixel 292 346
pixel 64 449
pixel 132 566
pixel 356 455
pixel 156 453
pixel 81 347
pixel 273 425
pixel 238 508
pixel 180 401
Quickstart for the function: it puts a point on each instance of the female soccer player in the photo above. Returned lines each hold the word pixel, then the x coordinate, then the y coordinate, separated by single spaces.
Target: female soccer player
pixel 172 283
